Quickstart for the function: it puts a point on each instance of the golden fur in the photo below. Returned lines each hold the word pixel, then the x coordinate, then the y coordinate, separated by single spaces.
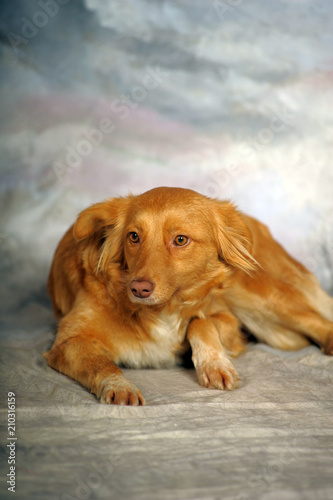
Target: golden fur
pixel 139 279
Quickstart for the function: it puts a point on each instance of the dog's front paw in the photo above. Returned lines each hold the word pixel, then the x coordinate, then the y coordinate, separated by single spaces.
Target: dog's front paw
pixel 119 391
pixel 218 375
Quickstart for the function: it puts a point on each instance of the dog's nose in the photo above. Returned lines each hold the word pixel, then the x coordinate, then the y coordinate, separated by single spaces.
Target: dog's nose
pixel 141 289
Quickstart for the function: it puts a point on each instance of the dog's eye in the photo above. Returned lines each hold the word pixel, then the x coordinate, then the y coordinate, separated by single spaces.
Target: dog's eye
pixel 133 237
pixel 181 240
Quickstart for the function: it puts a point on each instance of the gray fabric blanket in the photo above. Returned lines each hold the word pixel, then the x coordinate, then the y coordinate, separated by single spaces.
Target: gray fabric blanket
pixel 270 439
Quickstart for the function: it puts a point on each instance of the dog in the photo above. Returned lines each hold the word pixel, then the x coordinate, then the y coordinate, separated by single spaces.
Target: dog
pixel 139 280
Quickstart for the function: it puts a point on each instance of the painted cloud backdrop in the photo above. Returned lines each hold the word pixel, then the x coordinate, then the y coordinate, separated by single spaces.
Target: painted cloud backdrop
pixel 231 98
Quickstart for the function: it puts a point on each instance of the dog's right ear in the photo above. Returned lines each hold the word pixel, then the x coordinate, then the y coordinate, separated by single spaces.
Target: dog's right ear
pixel 107 214
pixel 102 225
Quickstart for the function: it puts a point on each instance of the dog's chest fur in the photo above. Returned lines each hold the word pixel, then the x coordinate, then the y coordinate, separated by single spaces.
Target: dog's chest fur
pixel 166 335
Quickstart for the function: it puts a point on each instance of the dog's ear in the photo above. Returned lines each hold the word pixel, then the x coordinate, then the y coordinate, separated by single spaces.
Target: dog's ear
pixel 102 224
pixel 233 237
pixel 96 217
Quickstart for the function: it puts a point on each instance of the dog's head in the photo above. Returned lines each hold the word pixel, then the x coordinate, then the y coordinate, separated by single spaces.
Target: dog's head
pixel 168 242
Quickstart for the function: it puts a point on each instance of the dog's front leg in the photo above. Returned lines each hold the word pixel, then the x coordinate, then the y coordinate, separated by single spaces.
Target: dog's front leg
pixel 85 359
pixel 210 358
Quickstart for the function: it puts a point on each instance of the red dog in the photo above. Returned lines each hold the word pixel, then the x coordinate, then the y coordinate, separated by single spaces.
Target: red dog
pixel 139 279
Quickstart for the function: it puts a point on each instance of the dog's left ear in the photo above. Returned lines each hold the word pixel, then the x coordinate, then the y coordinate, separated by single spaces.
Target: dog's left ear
pixel 233 237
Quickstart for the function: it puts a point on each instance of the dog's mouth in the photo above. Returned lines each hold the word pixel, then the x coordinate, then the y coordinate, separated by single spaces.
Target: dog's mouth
pixel 147 301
